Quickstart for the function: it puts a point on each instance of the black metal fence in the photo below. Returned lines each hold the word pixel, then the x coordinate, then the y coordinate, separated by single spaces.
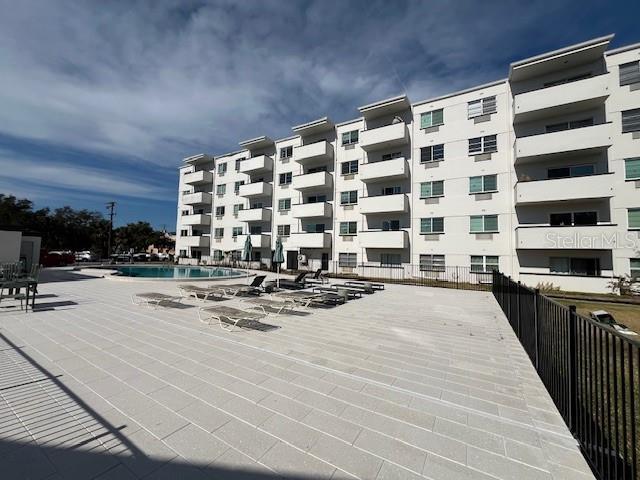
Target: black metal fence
pixel 591 371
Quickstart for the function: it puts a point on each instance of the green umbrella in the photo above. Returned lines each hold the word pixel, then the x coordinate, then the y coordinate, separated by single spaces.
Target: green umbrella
pixel 278 258
pixel 246 253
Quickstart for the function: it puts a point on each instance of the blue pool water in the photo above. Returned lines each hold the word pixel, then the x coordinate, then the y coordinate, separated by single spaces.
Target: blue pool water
pixel 162 271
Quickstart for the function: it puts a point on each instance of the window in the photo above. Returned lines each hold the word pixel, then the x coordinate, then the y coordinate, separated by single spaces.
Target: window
pixel 432 263
pixel 589 267
pixel 285 178
pixel 390 225
pixel 284 230
pixel 631 120
pixel 349 260
pixel 257 205
pixel 237 207
pixel 220 211
pixel 348 228
pixel 314 228
pixel 218 232
pixel 573 218
pixel 238 163
pixel 284 204
pixel 286 152
pixel 391 190
pixel 349 198
pixel 255 229
pixel 432 189
pixel 221 189
pixel 185 212
pixel 633 218
pixel 484 263
pixel 390 259
pixel 483 184
pixel 235 231
pixel 629 73
pixel 432 119
pixel 217 255
pixel 484 106
pixel 570 171
pixel 632 168
pixel 559 127
pixel 391 156
pixel 483 145
pixel 349 138
pixel 236 186
pixel 432 225
pixel 184 233
pixel 316 198
pixel 562 81
pixel 222 168
pixel 635 267
pixel 349 167
pixel 483 223
pixel 433 153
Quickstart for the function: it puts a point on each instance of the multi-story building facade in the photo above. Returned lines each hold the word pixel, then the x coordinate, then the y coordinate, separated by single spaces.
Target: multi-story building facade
pixel 536 175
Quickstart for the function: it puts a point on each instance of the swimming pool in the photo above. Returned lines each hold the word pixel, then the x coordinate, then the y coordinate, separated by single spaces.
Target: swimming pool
pixel 171 272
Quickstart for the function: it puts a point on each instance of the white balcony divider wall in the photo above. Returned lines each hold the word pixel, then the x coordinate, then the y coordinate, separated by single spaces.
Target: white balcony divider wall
pixel 532 173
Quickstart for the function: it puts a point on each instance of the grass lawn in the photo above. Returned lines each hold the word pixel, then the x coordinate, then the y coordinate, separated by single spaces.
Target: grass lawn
pixel 627 314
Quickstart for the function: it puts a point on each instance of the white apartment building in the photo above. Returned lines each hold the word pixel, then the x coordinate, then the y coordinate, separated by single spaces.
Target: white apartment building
pixel 537 175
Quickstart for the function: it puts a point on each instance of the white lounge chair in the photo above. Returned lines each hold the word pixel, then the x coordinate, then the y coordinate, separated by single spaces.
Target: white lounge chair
pixel 199 292
pixel 227 317
pixel 268 304
pixel 154 299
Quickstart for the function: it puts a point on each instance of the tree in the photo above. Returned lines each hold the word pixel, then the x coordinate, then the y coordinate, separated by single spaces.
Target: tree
pixel 137 236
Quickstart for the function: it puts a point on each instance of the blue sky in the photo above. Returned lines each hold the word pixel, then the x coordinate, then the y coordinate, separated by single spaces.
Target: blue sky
pixel 100 101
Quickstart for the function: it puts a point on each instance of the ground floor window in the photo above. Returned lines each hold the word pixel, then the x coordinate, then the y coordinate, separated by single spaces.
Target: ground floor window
pixel 347 260
pixel 217 255
pixel 284 230
pixel 183 253
pixel 390 259
pixel 484 263
pixel 635 267
pixel 575 266
pixel 432 263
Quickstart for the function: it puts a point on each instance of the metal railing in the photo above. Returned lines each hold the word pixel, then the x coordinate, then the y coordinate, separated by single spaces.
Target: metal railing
pixel 591 371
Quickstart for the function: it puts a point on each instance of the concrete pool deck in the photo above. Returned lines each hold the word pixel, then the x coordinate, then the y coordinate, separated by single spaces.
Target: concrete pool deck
pixel 410 382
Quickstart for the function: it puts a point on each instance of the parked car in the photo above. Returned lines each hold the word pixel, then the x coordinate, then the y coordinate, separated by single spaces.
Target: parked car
pixel 141 257
pixel 86 256
pixel 57 258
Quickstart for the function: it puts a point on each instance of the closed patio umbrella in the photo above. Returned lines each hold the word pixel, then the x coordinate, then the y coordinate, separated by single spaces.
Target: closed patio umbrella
pixel 246 253
pixel 278 258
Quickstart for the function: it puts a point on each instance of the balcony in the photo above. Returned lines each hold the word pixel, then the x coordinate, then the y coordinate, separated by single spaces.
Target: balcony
pixel 200 177
pixel 565 189
pixel 261 240
pixel 199 219
pixel 197 198
pixel 394 169
pixel 256 189
pixel 317 180
pixel 561 99
pixel 583 237
pixel 383 239
pixel 578 139
pixel 314 152
pixel 310 240
pixel 388 136
pixel 195 241
pixel 261 163
pixel 254 215
pixel 384 204
pixel 308 210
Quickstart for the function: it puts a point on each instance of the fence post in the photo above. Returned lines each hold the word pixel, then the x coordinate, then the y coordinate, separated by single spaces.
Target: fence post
pixel 573 373
pixel 509 282
pixel 536 314
pixel 518 289
pixel 457 279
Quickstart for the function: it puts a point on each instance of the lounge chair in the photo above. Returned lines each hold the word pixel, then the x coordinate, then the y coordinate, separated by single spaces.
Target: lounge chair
pixel 374 286
pixel 227 317
pixel 154 299
pixel 237 288
pixel 297 283
pixel 198 292
pixel 317 279
pixel 308 299
pixel 272 306
pixel 363 288
pixel 350 292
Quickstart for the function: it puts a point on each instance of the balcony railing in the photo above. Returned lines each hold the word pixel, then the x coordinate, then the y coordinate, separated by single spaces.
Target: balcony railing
pixel 310 240
pixel 573 237
pixel 256 189
pixel 388 136
pixel 318 151
pixel 384 204
pixel 198 178
pixel 198 219
pixel 309 210
pixel 396 168
pixel 254 215
pixel 565 189
pixel 196 198
pixel 308 181
pixel 593 137
pixel 383 239
pixel 260 163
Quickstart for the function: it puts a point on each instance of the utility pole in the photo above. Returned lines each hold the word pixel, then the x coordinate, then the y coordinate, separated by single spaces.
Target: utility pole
pixel 111 206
